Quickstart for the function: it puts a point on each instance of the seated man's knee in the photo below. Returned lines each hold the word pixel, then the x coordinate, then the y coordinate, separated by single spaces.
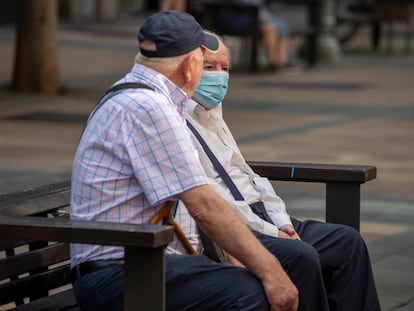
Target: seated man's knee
pixel 250 292
pixel 351 237
pixel 303 255
pixel 347 233
pixel 309 255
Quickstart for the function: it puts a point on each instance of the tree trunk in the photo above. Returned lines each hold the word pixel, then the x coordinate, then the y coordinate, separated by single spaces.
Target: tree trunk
pixel 36 63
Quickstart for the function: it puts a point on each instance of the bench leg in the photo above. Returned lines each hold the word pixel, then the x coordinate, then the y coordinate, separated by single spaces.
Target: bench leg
pixel 144 279
pixel 376 31
pixel 343 203
pixel 314 21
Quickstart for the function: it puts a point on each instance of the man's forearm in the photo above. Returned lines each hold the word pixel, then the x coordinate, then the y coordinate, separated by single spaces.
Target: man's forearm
pixel 225 227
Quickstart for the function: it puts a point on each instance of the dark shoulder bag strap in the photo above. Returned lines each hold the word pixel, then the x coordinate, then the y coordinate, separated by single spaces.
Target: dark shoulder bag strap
pixel 113 89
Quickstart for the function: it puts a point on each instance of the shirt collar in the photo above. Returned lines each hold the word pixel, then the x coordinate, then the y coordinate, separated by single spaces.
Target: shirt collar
pixel 160 83
pixel 202 115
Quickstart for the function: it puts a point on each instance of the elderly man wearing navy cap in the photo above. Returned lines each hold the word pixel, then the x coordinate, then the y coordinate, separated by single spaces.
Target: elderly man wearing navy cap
pixel 134 155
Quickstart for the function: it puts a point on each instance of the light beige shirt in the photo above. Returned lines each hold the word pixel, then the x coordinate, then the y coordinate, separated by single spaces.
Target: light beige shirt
pixel 212 127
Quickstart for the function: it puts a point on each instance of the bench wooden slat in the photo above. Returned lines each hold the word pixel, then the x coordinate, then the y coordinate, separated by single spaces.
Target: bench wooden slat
pixel 34 259
pixel 36 200
pixel 6 245
pixel 60 301
pixel 33 193
pixel 34 285
pixel 49 202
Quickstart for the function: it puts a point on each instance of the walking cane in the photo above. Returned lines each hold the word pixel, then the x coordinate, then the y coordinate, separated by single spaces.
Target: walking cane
pixel 165 213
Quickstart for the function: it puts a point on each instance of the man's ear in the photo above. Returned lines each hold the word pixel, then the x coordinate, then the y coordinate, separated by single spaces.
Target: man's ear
pixel 188 66
pixel 186 74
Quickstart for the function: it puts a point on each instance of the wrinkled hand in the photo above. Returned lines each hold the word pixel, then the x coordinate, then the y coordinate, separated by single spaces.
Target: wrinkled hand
pixel 288 232
pixel 281 293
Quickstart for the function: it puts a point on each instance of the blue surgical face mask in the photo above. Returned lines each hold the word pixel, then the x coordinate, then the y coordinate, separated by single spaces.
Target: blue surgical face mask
pixel 212 88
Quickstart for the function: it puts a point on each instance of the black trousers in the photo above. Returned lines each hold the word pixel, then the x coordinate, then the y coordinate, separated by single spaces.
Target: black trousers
pixel 330 266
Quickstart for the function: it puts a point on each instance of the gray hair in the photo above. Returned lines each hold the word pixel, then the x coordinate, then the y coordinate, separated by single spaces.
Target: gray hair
pixel 165 65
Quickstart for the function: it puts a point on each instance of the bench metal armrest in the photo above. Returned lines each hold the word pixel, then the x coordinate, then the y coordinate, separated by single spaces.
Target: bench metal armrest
pixel 342 184
pixel 144 250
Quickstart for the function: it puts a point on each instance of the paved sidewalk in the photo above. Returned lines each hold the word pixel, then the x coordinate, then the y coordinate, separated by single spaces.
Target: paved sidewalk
pixel 358 111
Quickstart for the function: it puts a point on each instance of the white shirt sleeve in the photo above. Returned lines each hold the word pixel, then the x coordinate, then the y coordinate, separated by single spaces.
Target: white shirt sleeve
pixel 253 221
pixel 275 206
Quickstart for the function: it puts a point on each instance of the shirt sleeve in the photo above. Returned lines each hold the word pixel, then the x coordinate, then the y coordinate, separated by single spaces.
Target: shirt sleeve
pixel 244 211
pixel 274 205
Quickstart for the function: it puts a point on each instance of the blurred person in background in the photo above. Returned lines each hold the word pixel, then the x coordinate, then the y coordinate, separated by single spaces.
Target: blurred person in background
pixel 274 31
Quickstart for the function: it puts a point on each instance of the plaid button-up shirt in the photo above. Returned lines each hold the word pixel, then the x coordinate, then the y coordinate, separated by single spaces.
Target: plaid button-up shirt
pixel 135 154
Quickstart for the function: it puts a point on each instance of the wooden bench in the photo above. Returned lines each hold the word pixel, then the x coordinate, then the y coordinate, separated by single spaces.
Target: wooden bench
pixel 34 266
pixel 35 232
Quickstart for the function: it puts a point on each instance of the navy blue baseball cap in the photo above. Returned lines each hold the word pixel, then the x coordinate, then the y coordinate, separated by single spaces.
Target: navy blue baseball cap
pixel 174 33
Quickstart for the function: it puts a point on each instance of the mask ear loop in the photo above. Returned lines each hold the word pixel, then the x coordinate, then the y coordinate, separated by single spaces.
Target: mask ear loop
pixel 165 213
